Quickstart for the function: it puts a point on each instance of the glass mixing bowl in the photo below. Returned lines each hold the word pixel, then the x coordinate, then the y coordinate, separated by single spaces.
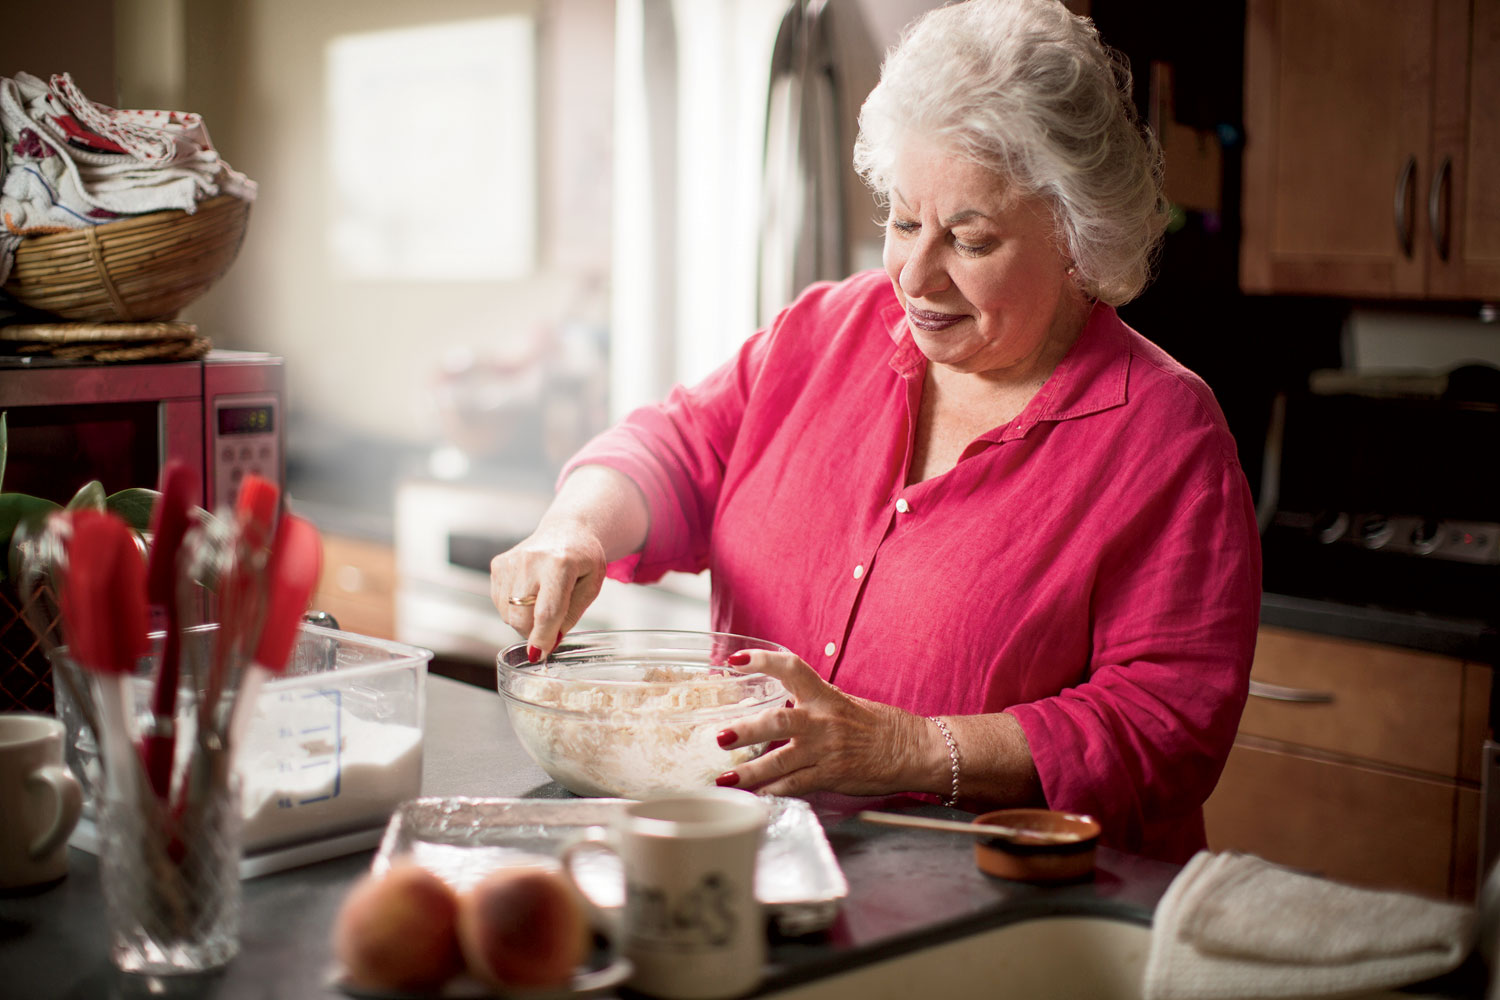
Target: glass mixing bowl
pixel 634 714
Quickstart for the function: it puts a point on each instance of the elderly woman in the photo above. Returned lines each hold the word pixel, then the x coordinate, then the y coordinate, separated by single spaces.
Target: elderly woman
pixel 1006 537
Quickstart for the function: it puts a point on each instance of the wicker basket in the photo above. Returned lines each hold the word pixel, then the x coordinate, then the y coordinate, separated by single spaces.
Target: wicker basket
pixel 147 267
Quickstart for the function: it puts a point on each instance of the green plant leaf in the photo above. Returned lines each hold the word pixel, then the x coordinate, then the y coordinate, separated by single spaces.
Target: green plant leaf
pixel 90 497
pixel 134 506
pixel 14 507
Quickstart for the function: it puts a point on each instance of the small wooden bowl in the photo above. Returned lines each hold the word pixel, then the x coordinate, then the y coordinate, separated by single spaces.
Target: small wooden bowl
pixel 1036 860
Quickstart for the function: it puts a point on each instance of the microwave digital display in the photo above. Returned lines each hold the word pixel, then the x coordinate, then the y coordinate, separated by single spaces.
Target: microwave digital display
pixel 247 420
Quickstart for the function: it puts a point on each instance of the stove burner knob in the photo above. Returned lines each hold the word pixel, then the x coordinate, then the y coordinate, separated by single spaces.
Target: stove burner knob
pixel 1426 536
pixel 1375 531
pixel 1330 527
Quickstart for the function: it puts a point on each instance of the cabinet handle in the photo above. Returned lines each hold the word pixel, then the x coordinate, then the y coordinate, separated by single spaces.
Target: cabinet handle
pixel 1403 203
pixel 1275 692
pixel 1437 206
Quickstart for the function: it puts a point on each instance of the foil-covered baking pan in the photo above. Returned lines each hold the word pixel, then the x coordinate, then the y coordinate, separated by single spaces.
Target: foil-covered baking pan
pixel 797 877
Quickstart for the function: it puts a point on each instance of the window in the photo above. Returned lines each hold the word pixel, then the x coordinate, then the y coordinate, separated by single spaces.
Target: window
pixel 431 140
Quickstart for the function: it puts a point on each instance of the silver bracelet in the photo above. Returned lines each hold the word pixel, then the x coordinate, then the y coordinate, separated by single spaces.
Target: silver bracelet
pixel 942 724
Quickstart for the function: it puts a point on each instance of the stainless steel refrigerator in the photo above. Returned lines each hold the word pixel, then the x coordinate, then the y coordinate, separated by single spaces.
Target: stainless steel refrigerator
pixel 734 124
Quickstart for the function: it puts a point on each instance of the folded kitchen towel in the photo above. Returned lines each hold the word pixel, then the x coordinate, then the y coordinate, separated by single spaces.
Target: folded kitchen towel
pixel 1233 925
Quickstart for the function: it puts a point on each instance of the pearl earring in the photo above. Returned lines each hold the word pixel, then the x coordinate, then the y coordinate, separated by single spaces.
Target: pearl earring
pixel 1072 270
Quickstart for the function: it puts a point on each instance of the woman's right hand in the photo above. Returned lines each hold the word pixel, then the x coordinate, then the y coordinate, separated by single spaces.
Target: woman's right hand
pixel 561 567
pixel 543 585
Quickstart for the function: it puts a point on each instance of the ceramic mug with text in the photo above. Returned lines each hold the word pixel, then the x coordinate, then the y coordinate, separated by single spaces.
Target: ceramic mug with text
pixel 691 925
pixel 40 800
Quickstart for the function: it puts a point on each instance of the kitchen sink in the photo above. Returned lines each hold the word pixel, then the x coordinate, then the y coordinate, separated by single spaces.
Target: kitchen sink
pixel 1047 958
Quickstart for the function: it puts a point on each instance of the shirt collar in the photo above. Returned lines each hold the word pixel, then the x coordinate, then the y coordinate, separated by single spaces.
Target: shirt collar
pixel 1092 377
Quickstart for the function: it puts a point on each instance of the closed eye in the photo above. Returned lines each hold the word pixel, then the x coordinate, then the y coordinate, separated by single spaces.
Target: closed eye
pixel 908 227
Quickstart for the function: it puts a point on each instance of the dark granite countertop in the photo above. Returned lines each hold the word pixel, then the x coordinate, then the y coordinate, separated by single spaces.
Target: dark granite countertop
pixel 909 890
pixel 1461 637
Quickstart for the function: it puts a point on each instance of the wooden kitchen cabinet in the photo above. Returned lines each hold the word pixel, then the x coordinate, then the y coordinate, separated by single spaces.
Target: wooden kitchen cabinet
pixel 1360 762
pixel 1466 139
pixel 1372 140
pixel 358 586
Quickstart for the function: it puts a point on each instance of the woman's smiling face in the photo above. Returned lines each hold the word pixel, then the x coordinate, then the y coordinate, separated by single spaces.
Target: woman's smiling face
pixel 979 269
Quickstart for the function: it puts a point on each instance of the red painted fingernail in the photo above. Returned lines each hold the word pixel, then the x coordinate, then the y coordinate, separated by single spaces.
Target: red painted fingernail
pixel 559 639
pixel 739 659
pixel 533 654
pixel 727 737
pixel 727 779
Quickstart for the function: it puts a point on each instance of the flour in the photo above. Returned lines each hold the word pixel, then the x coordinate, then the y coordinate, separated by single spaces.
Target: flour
pixel 656 737
pixel 305 777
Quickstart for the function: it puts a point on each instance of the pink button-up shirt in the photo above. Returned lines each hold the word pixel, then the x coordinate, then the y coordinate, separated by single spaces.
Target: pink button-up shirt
pixel 1092 567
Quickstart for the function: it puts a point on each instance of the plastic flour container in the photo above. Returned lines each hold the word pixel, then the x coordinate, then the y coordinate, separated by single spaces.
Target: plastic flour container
pixel 334 746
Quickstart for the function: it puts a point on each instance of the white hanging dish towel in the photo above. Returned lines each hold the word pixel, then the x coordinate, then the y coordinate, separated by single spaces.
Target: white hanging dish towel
pixel 1236 926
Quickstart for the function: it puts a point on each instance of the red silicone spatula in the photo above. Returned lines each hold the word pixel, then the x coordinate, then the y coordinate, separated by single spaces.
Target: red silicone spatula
pixel 104 620
pixel 169 523
pixel 291 575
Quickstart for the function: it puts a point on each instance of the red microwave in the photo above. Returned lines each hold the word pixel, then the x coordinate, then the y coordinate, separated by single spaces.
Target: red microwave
pixel 70 423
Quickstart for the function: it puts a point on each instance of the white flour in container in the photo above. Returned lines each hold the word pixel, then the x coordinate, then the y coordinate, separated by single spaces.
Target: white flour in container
pixel 637 740
pixel 304 778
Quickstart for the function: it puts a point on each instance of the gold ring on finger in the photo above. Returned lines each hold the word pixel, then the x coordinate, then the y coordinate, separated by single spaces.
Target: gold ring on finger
pixel 521 602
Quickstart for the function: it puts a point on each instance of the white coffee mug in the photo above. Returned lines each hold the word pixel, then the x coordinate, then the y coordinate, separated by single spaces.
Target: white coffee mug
pixel 691 925
pixel 40 800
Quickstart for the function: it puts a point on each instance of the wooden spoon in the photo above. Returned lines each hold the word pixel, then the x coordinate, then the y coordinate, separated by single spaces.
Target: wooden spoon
pixel 972 829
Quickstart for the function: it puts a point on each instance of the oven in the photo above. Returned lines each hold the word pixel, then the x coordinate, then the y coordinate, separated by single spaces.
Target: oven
pixel 1388 496
pixel 447 531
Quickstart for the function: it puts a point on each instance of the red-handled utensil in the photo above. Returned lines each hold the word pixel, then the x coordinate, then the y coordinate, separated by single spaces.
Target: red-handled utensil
pixel 255 510
pixel 104 620
pixel 291 576
pixel 169 523
pixel 241 588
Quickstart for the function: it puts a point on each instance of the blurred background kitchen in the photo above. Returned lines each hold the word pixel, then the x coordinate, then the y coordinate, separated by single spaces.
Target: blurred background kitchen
pixel 486 228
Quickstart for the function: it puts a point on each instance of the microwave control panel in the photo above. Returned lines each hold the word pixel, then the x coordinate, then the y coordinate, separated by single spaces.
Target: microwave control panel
pixel 245 431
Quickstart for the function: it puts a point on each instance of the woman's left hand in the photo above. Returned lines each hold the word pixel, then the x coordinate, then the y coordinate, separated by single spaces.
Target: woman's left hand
pixel 833 741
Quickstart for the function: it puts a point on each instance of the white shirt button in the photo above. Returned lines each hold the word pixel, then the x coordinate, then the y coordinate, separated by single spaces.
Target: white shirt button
pixel 859 571
pixel 829 649
pixel 902 505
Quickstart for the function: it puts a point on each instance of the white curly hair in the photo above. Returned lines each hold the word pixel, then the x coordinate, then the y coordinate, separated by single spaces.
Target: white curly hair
pixel 1027 89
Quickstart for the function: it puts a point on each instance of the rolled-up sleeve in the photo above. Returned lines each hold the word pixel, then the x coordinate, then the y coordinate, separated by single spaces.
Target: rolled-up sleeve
pixel 676 452
pixel 1141 742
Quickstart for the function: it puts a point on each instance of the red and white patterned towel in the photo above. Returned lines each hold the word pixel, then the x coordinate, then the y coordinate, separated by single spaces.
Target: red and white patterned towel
pixel 71 162
pixel 152 137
